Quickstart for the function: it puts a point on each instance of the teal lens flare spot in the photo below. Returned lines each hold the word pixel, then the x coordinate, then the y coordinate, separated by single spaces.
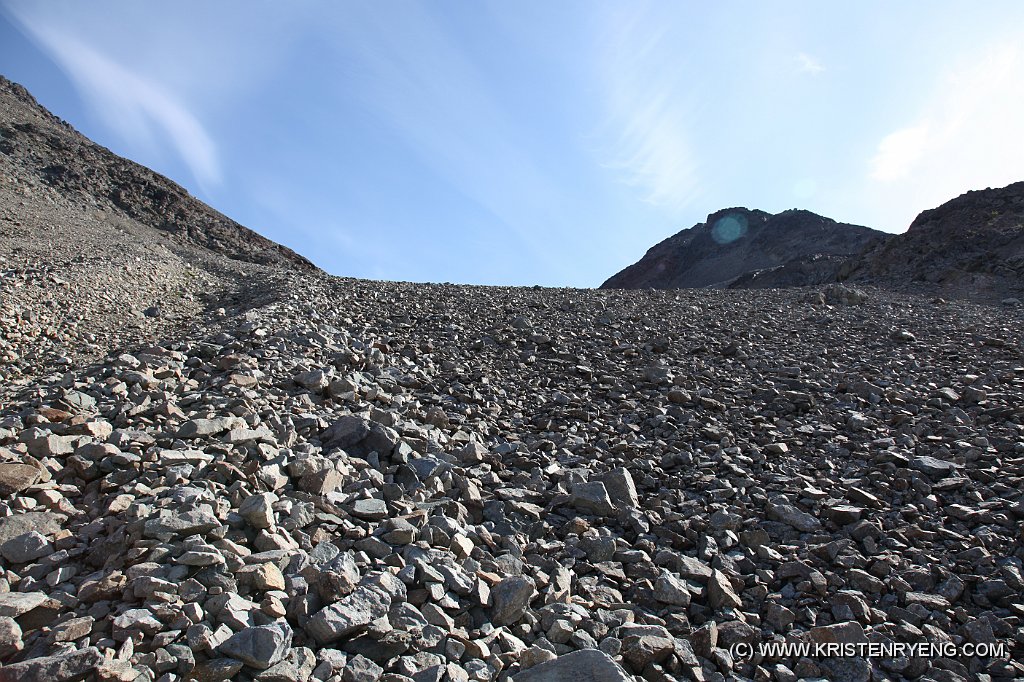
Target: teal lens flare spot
pixel 729 229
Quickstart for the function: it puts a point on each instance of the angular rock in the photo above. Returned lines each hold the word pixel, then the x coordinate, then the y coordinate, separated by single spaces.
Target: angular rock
pixel 621 489
pixel 51 446
pixel 346 432
pixel 372 509
pixel 322 482
pixel 26 547
pixel 642 650
pixel 314 380
pixel 74 629
pixel 10 637
pixel 592 498
pixel 17 477
pixel 217 670
pixel 44 523
pixel 510 599
pixel 849 632
pixel 195 522
pixel 689 568
pixel 77 665
pixel 936 469
pixel 202 428
pixel 14 604
pixel 259 647
pixel 791 516
pixel 588 665
pixel 298 665
pixel 361 669
pixel 258 510
pixel 135 621
pixel 352 614
pixel 670 590
pixel 721 593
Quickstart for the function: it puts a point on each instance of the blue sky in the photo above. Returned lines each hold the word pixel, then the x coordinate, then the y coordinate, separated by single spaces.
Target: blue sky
pixel 533 142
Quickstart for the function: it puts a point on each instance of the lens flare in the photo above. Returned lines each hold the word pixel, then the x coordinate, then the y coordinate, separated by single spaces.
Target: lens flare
pixel 729 228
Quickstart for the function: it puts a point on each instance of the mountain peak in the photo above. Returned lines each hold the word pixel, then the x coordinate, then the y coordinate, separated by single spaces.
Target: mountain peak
pixel 735 242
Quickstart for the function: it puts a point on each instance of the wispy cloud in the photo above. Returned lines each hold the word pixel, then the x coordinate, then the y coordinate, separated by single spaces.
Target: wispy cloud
pixel 898 152
pixel 655 155
pixel 969 126
pixel 966 136
pixel 649 114
pixel 135 107
pixel 808 64
pixel 417 76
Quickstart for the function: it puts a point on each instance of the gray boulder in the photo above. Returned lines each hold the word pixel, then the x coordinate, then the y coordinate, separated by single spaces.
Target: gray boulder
pixel 586 665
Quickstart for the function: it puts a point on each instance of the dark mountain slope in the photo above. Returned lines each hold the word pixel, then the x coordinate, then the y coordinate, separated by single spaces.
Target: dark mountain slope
pixel 736 244
pixel 34 141
pixel 969 247
pixel 99 252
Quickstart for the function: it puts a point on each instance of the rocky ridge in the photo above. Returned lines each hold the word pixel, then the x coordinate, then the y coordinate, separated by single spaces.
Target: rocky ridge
pixel 82 272
pixel 37 148
pixel 744 248
pixel 970 247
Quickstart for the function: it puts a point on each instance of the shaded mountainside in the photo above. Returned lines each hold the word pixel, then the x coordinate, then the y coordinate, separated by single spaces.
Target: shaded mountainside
pixel 34 141
pixel 969 247
pixel 97 252
pixel 751 249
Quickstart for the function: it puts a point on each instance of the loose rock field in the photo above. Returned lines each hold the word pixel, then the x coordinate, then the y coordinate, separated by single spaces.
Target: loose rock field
pixel 352 480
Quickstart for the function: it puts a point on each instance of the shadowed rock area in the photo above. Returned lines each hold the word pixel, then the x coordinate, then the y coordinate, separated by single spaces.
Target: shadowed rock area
pixel 970 247
pixel 757 249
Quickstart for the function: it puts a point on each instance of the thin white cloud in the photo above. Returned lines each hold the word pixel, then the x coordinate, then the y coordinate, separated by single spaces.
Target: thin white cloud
pixel 649 114
pixel 898 152
pixel 966 136
pixel 137 108
pixel 654 154
pixel 808 64
pixel 422 81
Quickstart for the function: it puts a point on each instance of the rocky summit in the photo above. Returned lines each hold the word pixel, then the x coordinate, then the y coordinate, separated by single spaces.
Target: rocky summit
pixel 969 247
pixel 743 248
pixel 280 475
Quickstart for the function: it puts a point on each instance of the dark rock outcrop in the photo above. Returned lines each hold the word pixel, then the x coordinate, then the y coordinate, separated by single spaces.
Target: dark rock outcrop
pixel 969 247
pixel 749 249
